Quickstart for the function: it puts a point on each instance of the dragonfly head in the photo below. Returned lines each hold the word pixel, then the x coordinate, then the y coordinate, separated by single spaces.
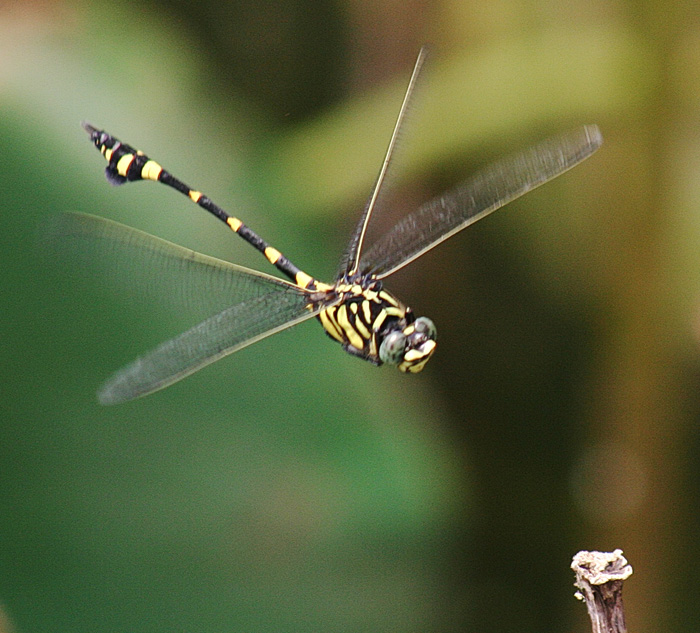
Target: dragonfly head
pixel 409 348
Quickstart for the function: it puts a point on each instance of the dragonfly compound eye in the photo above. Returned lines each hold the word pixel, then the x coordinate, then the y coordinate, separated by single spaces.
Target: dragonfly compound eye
pixel 393 347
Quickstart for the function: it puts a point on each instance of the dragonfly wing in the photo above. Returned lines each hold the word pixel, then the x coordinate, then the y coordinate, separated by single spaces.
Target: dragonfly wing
pixel 350 261
pixel 152 269
pixel 250 305
pixel 486 191
pixel 232 329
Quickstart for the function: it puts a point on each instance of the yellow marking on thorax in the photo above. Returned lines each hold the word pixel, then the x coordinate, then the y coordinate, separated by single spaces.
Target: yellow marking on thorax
pixel 107 153
pixel 379 321
pixel 234 223
pixel 373 346
pixel 123 164
pixel 272 254
pixel 151 171
pixel 367 311
pixel 329 326
pixel 353 337
pixel 361 327
pixel 194 195
pixel 385 296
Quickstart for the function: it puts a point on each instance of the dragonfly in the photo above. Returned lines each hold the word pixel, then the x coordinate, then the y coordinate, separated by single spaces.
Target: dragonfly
pixel 356 310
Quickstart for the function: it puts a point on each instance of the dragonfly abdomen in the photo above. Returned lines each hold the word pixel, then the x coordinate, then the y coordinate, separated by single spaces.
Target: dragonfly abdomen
pixel 126 164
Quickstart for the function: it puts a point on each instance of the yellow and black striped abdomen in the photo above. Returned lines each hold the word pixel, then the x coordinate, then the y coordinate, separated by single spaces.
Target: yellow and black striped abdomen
pixel 126 164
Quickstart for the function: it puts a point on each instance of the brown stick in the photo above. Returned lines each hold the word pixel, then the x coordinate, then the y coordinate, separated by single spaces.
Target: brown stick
pixel 599 577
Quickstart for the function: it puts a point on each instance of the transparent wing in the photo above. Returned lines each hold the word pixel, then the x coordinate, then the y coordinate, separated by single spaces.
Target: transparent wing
pixel 486 191
pixel 152 269
pixel 222 334
pixel 350 261
pixel 257 305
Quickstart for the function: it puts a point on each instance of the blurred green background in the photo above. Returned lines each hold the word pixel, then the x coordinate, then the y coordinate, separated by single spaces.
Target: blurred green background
pixel 291 487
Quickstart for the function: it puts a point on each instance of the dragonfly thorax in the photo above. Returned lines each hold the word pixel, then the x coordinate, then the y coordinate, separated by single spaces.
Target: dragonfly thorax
pixel 373 324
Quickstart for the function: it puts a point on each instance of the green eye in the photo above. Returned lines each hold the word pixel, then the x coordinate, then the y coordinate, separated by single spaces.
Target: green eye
pixel 425 326
pixel 392 348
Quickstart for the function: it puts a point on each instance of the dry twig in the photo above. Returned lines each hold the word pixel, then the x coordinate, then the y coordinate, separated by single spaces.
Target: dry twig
pixel 599 577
